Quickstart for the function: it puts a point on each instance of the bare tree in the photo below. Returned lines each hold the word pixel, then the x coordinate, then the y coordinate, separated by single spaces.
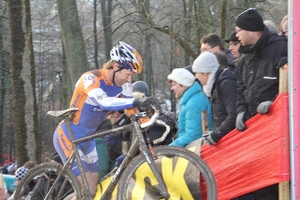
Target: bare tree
pixel 23 79
pixel 3 73
pixel 106 11
pixel 72 38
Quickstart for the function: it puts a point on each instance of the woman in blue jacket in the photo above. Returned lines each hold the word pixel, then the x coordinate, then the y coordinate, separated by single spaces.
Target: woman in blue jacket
pixel 192 102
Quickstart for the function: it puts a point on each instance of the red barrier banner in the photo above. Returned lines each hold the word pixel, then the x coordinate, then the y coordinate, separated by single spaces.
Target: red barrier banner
pixel 243 162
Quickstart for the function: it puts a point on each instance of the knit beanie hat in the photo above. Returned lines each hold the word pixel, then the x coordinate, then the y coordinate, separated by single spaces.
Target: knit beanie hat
pixel 21 172
pixel 182 76
pixel 250 20
pixel 205 63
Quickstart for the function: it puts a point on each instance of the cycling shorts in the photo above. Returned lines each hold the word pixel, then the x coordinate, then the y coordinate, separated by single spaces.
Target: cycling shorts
pixel 87 150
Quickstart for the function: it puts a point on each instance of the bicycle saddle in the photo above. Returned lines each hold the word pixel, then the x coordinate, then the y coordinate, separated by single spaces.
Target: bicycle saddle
pixel 62 113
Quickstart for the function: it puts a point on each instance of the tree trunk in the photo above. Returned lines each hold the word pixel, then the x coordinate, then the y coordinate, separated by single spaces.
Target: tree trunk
pixel 3 72
pixel 72 39
pixel 148 57
pixel 223 19
pixel 95 35
pixel 106 10
pixel 33 139
pixel 23 79
pixel 65 82
pixel 17 43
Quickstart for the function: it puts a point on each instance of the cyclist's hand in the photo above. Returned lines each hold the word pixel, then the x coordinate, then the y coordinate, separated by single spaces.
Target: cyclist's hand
pixel 263 107
pixel 146 101
pixel 112 141
pixel 239 122
pixel 119 160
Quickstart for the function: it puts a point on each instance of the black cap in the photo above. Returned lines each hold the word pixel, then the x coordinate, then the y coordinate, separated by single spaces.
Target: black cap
pixel 250 20
pixel 232 37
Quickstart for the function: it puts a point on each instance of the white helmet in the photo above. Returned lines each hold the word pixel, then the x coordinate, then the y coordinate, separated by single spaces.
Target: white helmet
pixel 127 56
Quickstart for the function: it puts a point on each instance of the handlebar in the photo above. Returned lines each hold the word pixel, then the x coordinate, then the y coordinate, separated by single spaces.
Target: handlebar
pixel 153 120
pixel 164 135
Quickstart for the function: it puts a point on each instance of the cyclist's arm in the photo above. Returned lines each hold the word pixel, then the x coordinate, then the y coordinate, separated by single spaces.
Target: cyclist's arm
pixel 98 96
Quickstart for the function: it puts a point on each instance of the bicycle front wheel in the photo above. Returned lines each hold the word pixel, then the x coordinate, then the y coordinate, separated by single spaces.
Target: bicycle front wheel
pixel 38 181
pixel 185 175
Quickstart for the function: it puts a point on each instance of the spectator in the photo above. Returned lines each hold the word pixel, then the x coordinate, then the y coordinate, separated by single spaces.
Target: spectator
pixel 29 164
pixel 271 26
pixel 220 85
pixel 284 26
pixel 211 43
pixel 192 102
pixel 3 189
pixel 107 155
pixel 4 169
pixel 221 58
pixel 19 174
pixel 44 182
pixel 12 168
pixel 262 54
pixel 234 45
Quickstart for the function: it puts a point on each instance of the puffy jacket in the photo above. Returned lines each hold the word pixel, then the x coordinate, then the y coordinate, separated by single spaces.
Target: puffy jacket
pixel 223 102
pixel 257 72
pixel 192 103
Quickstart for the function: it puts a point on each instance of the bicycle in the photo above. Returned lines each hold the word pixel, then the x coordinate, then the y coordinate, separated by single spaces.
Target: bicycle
pixel 145 173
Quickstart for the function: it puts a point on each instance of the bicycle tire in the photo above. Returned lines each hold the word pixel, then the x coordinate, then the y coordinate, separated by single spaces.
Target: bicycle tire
pixel 138 182
pixel 53 169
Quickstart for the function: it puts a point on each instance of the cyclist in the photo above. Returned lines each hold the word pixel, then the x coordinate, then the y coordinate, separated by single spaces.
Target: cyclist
pixel 96 93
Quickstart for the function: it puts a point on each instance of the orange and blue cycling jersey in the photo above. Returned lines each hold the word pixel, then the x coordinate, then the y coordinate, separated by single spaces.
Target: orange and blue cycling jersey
pixel 94 95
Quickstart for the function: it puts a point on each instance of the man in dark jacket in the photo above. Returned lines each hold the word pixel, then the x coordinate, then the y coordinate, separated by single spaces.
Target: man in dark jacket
pixel 262 54
pixel 220 85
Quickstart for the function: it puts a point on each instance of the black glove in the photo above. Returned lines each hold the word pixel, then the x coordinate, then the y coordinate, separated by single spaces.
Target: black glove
pixel 263 107
pixel 146 101
pixel 239 122
pixel 112 141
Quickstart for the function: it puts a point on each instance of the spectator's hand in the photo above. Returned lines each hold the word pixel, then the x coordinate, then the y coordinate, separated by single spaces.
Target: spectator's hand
pixel 239 122
pixel 207 136
pixel 146 101
pixel 119 160
pixel 112 141
pixel 263 107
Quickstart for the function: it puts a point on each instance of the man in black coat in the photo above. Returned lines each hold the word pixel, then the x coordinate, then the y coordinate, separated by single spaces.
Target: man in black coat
pixel 262 54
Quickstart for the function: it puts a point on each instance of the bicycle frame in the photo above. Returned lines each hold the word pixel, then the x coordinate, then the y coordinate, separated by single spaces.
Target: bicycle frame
pixel 159 176
pixel 138 143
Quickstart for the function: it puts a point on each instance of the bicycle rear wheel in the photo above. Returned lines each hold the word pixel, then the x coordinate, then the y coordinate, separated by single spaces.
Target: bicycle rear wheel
pixel 66 185
pixel 184 173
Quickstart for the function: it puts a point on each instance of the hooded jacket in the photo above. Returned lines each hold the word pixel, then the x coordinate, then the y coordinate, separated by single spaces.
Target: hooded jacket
pixel 223 102
pixel 257 72
pixel 192 103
